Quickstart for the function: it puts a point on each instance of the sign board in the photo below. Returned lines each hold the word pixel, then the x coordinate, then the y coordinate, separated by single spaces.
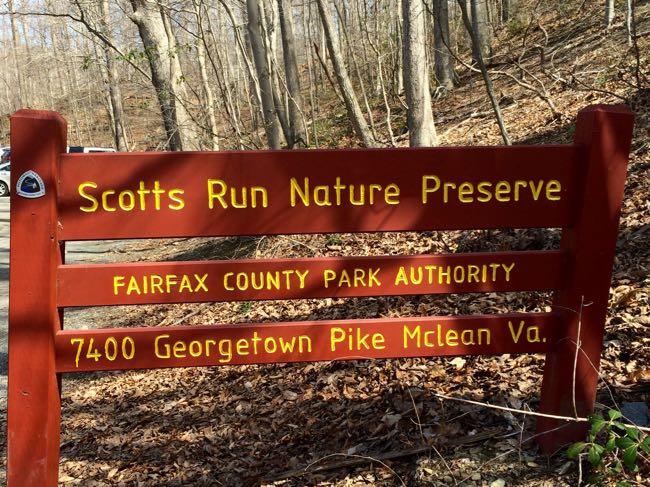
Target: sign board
pixel 576 187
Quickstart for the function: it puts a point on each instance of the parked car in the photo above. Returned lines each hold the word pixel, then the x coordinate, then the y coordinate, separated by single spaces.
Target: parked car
pixel 5 178
pixel 75 149
pixel 5 163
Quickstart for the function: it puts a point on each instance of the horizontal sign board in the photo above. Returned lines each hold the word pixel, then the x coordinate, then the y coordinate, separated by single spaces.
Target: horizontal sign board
pixel 187 346
pixel 110 196
pixel 250 280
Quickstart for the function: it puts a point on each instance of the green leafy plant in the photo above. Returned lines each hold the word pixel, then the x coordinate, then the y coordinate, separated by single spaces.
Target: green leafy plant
pixel 613 448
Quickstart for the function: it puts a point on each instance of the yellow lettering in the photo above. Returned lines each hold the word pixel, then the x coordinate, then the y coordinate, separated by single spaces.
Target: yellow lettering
pixel 401 278
pixel 391 194
pixel 83 194
pixel 519 184
pixel 465 192
pixel 486 195
pixel 502 191
pixel 553 188
pixel 445 191
pixel 166 348
pixel 121 200
pixel 426 189
pixel 179 202
pixel 337 335
pixel 218 195
pixel 118 281
pixel 295 188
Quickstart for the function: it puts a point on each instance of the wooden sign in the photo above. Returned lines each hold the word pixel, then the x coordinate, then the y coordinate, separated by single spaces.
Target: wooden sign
pixel 61 197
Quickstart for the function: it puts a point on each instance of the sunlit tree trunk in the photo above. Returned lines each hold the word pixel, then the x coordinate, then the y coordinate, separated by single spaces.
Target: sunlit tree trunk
pixel 422 131
pixel 271 121
pixel 297 127
pixel 165 74
pixel 352 105
pixel 481 27
pixel 113 84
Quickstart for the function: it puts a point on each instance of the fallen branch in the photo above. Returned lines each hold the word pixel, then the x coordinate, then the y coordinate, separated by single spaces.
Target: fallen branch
pixel 356 460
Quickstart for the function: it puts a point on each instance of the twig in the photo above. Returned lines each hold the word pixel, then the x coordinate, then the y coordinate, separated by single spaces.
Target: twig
pixel 189 315
pixel 575 357
pixel 419 423
pixel 578 419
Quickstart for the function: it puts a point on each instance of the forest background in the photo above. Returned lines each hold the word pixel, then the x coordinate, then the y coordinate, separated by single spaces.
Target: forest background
pixel 254 74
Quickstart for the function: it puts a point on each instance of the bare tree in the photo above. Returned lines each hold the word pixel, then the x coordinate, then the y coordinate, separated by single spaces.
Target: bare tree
pixel 481 27
pixel 211 128
pixel 486 77
pixel 609 13
pixel 113 86
pixel 345 85
pixel 296 126
pixel 166 74
pixel 422 131
pixel 271 122
pixel 444 61
pixel 16 43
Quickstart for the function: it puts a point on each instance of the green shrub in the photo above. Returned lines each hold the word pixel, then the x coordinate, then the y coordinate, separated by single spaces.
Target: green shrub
pixel 613 448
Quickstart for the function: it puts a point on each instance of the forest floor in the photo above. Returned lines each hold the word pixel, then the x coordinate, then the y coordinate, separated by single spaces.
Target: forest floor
pixel 379 422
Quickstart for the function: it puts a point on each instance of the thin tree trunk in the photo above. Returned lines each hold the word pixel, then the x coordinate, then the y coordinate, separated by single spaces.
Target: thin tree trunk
pixel 609 14
pixel 306 10
pixel 481 27
pixel 187 127
pixel 399 68
pixel 357 71
pixel 444 62
pixel 352 105
pixel 486 76
pixel 211 129
pixel 113 85
pixel 270 38
pixel 19 91
pixel 271 122
pixel 297 126
pixel 628 21
pixel 422 131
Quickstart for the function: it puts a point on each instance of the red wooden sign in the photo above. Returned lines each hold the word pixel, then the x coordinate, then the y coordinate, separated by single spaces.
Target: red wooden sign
pixel 186 346
pixel 251 280
pixel 304 191
pixel 58 197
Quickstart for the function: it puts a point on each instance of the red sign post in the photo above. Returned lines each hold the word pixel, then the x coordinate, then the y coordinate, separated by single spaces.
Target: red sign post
pixel 60 197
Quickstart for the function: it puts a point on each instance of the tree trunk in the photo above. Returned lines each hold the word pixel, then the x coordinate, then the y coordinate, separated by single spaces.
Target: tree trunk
pixel 268 16
pixel 19 89
pixel 352 105
pixel 422 131
pixel 189 131
pixel 113 85
pixel 609 13
pixel 296 120
pixel 165 75
pixel 399 65
pixel 507 9
pixel 211 129
pixel 481 27
pixel 271 122
pixel 444 62
pixel 486 76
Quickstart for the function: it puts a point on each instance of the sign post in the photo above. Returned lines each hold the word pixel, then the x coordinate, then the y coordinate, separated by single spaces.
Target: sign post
pixel 61 197
pixel 33 400
pixel 571 371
